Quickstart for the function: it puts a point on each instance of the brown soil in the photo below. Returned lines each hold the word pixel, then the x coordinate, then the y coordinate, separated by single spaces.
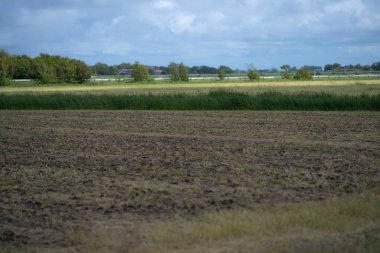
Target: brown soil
pixel 65 172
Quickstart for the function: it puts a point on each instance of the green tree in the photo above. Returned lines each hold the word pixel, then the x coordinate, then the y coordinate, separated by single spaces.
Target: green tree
pixel 336 66
pixel 82 71
pixel 376 66
pixel 173 71
pixel 227 69
pixel 57 69
pixel 139 72
pixel 221 73
pixel 303 74
pixel 253 75
pixel 101 69
pixel 328 67
pixel 183 72
pixel 285 67
pixel 65 69
pixel 11 65
pixel 22 68
pixel 3 53
pixel 285 74
pixel 4 76
pixel 44 70
pixel 178 72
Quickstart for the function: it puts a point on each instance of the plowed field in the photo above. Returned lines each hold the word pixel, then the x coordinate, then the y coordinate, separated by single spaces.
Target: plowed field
pixel 63 173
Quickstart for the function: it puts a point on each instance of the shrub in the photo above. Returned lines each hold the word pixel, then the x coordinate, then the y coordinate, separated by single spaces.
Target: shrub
pixel 286 75
pixel 183 72
pixel 4 77
pixel 139 72
pixel 82 71
pixel 303 74
pixel 253 75
pixel 221 73
pixel 5 81
pixel 178 72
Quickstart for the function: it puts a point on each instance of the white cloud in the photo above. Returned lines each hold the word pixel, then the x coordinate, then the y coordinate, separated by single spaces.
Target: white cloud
pixel 310 20
pixel 353 14
pixel 48 17
pixel 114 48
pixel 351 7
pixel 362 50
pixel 232 44
pixel 164 5
pixel 118 19
pixel 207 30
pixel 370 22
pixel 179 18
pixel 166 15
pixel 217 16
pixel 181 22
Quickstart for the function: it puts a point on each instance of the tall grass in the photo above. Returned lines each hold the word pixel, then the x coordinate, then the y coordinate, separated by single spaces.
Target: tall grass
pixel 350 224
pixel 328 224
pixel 214 100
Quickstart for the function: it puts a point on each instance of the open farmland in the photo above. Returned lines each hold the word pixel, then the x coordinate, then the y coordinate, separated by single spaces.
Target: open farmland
pixel 339 87
pixel 277 95
pixel 143 181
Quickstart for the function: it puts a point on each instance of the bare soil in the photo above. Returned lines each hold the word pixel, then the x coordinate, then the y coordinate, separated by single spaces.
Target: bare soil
pixel 63 173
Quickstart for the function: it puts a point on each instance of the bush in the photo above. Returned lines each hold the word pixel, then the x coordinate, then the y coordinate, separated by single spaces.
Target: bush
pixel 5 81
pixel 178 72
pixel 183 72
pixel 253 75
pixel 4 77
pixel 44 71
pixel 45 68
pixel 82 71
pixel 286 75
pixel 303 74
pixel 221 73
pixel 139 72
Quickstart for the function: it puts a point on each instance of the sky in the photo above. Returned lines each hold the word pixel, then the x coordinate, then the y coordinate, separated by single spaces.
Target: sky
pixel 264 33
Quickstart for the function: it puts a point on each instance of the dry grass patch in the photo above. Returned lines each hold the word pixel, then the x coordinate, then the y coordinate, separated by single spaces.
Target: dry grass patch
pixel 317 225
pixel 194 87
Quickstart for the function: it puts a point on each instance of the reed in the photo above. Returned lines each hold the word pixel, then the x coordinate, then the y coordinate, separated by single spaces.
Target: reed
pixel 214 100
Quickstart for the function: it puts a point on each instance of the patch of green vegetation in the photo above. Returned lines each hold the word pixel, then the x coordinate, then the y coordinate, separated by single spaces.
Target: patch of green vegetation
pixel 318 227
pixel 37 180
pixel 4 182
pixel 214 100
pixel 16 249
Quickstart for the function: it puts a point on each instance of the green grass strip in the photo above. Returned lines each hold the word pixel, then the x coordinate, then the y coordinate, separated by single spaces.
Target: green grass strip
pixel 214 100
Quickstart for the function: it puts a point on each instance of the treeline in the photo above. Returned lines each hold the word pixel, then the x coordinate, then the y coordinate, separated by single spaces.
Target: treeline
pixel 56 69
pixel 45 68
pixel 126 68
pixel 338 67
pixel 211 70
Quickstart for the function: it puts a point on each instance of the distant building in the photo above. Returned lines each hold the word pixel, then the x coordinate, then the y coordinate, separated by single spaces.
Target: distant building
pixel 125 72
pixel 158 71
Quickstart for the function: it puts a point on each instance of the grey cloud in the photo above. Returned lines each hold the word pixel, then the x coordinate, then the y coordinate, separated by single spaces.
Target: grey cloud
pixel 206 32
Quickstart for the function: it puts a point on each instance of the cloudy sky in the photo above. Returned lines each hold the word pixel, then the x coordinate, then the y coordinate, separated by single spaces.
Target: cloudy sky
pixel 266 33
